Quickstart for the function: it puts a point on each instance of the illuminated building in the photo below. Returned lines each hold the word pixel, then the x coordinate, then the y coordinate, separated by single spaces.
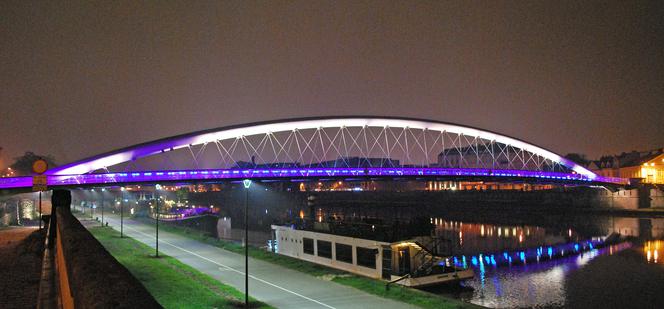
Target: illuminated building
pixel 483 186
pixel 647 166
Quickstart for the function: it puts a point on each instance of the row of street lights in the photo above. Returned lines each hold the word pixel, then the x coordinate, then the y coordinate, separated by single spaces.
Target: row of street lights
pixel 122 204
pixel 102 206
pixel 246 183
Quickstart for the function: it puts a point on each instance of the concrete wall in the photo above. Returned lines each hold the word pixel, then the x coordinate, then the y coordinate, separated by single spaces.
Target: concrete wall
pixel 625 199
pixel 92 278
pixel 657 197
pixel 644 196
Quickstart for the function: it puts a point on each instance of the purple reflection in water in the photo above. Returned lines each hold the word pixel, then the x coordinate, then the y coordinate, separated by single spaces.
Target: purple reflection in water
pixel 534 284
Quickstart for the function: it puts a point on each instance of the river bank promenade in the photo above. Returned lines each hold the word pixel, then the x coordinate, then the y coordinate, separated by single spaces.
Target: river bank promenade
pixel 275 285
pixel 21 251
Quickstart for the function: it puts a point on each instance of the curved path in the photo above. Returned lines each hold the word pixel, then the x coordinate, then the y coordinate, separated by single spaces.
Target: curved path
pixel 273 284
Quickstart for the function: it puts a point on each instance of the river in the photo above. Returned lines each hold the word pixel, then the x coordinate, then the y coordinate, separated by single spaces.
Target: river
pixel 545 278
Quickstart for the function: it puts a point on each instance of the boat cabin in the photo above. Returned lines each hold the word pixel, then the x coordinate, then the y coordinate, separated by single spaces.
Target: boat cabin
pixel 405 262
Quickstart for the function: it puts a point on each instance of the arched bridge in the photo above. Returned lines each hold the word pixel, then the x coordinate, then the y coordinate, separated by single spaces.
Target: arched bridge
pixel 323 147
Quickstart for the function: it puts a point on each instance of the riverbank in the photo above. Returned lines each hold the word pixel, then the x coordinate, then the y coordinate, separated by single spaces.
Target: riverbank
pixel 21 253
pixel 376 287
pixel 172 283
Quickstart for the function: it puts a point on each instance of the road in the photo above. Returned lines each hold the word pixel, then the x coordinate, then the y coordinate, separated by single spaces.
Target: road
pixel 273 284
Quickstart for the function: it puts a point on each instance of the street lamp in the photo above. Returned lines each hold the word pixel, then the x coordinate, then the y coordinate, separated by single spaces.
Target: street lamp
pixel 91 204
pixel 247 184
pixel 122 189
pixel 102 206
pixel 156 191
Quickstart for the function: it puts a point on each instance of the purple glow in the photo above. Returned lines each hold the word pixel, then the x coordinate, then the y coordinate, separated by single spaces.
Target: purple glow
pixel 299 173
pixel 159 146
pixel 528 255
pixel 15 182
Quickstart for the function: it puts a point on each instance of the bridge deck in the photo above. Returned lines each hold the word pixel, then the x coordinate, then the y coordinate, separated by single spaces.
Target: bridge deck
pixel 302 174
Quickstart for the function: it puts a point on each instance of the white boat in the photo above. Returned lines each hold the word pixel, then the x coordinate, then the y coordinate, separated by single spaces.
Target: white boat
pixel 407 262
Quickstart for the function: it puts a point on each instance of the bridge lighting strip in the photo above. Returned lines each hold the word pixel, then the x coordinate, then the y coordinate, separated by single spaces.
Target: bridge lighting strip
pixel 290 173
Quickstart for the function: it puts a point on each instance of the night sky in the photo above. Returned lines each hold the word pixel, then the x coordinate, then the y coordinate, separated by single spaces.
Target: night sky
pixel 82 78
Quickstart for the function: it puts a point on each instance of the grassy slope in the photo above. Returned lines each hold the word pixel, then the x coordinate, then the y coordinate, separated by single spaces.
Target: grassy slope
pixel 373 286
pixel 172 283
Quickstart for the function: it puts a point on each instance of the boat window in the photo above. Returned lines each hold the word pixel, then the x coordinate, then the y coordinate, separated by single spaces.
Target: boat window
pixel 366 257
pixel 308 246
pixel 324 248
pixel 344 253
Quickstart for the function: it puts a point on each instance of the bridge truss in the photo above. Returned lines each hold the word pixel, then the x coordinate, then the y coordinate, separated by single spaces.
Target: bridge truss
pixel 323 147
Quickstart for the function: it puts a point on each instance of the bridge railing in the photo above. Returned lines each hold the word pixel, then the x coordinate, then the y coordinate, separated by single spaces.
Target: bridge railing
pixel 15 182
pixel 149 176
pixel 290 173
pixel 613 180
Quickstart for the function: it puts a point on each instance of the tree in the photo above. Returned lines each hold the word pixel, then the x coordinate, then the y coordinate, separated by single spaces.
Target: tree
pixel 23 165
pixel 578 158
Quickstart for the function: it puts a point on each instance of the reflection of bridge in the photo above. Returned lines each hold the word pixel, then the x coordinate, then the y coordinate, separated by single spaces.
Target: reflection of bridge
pixel 320 148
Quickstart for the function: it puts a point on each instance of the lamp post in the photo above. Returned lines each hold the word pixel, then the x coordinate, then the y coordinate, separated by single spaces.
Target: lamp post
pixel 40 212
pixel 102 206
pixel 156 191
pixel 247 184
pixel 91 206
pixel 122 189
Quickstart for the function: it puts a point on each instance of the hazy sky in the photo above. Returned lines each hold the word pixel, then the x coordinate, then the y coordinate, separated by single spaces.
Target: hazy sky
pixel 80 78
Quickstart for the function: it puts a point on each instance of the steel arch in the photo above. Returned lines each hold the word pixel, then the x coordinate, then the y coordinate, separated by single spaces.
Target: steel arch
pixel 479 137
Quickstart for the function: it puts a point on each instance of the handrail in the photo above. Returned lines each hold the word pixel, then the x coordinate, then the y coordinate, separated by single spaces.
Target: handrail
pixel 387 285
pixel 47 298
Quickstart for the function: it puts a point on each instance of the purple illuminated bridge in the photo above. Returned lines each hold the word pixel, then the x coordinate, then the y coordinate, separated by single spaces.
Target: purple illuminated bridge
pixel 349 147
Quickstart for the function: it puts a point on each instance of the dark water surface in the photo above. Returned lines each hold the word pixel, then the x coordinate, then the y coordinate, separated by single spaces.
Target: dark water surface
pixel 587 278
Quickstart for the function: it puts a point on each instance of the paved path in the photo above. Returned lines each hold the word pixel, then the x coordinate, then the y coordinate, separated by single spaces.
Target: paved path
pixel 276 285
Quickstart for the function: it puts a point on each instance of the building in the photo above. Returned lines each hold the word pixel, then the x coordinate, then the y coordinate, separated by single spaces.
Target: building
pixel 492 156
pixel 341 162
pixel 648 166
pixel 359 162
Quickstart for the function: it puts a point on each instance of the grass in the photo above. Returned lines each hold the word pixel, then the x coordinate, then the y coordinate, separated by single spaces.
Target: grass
pixel 172 283
pixel 373 286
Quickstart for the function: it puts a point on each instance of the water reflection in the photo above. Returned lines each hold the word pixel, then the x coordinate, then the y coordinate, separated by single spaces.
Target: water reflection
pixel 558 251
pixel 474 238
pixel 539 284
pixel 652 251
pixel 524 260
